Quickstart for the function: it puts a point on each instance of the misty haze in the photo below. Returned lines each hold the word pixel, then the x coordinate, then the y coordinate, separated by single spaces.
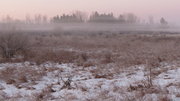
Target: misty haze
pixel 80 50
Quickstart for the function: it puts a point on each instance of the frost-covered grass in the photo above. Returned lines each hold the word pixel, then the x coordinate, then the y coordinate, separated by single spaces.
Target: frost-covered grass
pixel 129 84
pixel 96 66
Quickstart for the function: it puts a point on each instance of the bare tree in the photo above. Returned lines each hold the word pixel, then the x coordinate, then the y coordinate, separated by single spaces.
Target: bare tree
pixel 8 19
pixel 28 19
pixel 82 16
pixel 11 42
pixel 38 18
pixel 151 19
pixel 128 18
pixel 132 18
pixel 44 18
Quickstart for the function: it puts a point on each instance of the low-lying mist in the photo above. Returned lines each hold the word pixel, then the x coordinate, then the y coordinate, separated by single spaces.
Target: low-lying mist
pixel 113 27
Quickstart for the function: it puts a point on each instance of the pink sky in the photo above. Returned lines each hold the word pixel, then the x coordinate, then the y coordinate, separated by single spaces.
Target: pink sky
pixel 170 9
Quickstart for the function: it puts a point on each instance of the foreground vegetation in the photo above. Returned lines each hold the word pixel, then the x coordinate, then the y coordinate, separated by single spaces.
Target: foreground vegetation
pixel 91 47
pixel 103 54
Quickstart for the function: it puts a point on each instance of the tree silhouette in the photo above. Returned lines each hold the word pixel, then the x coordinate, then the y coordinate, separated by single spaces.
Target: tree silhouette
pixel 102 18
pixel 75 17
pixel 37 18
pixel 163 21
pixel 28 19
pixel 151 19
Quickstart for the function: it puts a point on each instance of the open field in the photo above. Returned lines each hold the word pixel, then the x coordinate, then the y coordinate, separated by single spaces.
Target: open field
pixel 90 65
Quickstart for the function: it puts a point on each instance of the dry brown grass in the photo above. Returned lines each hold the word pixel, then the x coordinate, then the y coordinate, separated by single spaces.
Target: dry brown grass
pixel 110 53
pixel 102 47
pixel 18 75
pixel 40 56
pixel 93 48
pixel 44 95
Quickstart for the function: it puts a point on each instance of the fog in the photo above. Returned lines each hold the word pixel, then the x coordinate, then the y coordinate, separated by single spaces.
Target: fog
pixel 128 18
pixel 83 27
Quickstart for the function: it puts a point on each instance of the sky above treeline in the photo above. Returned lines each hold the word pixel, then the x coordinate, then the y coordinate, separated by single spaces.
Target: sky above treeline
pixel 18 9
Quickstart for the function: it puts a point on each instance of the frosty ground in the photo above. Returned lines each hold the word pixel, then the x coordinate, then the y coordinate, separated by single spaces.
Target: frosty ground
pixel 130 84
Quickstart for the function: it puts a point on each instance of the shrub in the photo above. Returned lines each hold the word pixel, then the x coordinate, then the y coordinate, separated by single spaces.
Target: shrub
pixel 11 42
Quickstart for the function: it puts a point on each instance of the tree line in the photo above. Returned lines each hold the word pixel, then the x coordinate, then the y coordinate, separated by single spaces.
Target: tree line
pixel 82 17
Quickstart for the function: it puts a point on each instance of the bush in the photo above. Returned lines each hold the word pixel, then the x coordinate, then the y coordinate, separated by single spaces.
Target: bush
pixel 11 42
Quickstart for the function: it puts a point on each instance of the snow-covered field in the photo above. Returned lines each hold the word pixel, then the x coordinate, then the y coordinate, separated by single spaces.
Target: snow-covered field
pixel 92 66
pixel 69 82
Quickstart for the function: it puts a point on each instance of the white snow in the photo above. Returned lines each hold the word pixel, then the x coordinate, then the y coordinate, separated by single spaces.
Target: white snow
pixel 85 86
